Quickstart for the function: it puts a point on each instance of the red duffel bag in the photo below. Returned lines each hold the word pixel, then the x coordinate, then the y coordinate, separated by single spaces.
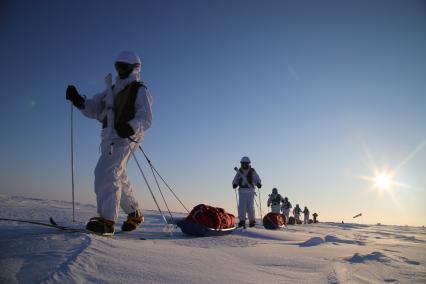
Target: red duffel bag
pixel 273 221
pixel 211 217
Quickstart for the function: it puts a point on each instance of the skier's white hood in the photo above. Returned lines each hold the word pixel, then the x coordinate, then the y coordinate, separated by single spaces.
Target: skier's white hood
pixel 131 58
pixel 128 57
pixel 94 107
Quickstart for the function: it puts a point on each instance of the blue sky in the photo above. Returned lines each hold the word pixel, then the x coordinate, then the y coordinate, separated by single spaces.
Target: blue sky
pixel 316 93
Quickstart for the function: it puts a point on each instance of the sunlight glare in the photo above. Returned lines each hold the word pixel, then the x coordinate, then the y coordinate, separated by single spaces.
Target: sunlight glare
pixel 383 181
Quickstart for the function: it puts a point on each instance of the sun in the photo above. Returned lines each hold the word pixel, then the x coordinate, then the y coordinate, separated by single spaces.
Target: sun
pixel 383 181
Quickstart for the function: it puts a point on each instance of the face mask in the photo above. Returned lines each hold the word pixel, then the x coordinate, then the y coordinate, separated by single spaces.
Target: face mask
pixel 245 166
pixel 123 69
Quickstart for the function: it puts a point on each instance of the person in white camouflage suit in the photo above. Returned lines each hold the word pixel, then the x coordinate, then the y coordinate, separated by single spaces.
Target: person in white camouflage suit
pixel 129 110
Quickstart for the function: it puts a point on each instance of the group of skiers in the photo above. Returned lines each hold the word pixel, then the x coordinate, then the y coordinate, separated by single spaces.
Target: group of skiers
pixel 246 179
pixel 280 205
pixel 124 111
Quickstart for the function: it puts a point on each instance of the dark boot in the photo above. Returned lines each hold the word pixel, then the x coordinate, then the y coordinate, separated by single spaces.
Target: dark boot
pixel 242 224
pixel 252 224
pixel 100 225
pixel 133 221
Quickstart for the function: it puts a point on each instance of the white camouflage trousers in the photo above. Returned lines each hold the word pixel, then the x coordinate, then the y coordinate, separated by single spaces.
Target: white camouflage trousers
pixel 286 212
pixel 112 187
pixel 306 219
pixel 246 204
pixel 297 217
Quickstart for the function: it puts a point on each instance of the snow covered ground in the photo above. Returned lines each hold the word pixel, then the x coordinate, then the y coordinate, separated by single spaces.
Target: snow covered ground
pixel 318 253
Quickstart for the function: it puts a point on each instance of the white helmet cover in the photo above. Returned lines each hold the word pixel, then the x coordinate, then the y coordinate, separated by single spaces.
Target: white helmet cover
pixel 245 159
pixel 128 57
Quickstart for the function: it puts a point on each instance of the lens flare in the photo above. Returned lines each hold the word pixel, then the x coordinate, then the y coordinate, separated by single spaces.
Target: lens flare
pixel 383 181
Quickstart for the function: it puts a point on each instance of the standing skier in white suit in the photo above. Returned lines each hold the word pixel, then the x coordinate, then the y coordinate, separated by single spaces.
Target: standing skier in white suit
pixel 305 215
pixel 296 213
pixel 246 178
pixel 124 110
pixel 275 199
pixel 286 209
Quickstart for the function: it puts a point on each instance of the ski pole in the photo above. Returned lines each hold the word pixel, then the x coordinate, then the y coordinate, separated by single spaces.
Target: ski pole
pixel 260 204
pixel 72 162
pixel 167 227
pixel 236 198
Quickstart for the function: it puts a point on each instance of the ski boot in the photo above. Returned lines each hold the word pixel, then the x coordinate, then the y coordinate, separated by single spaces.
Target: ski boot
pixel 242 224
pixel 101 226
pixel 252 224
pixel 134 219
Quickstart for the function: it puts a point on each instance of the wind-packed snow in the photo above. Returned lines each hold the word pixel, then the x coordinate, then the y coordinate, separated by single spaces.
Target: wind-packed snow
pixel 317 253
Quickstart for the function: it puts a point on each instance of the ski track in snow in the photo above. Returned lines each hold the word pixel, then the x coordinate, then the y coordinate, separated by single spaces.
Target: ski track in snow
pixel 318 253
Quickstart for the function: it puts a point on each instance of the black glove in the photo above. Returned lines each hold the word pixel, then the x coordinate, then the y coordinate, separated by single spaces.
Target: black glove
pixel 124 130
pixel 74 97
pixel 234 185
pixel 258 185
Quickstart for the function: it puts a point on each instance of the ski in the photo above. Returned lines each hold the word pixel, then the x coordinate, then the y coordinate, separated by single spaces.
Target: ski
pixel 146 235
pixel 53 224
pixel 71 229
pixel 34 222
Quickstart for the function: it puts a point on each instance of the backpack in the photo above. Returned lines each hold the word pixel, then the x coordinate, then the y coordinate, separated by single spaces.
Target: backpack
pixel 249 177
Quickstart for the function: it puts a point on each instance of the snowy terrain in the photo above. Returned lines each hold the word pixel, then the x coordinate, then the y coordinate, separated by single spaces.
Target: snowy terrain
pixel 319 253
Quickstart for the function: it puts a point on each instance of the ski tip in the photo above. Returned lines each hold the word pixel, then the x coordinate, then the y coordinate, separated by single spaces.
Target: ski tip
pixel 52 221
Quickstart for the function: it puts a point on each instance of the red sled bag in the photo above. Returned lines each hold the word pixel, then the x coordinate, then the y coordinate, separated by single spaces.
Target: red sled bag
pixel 211 217
pixel 227 220
pixel 273 221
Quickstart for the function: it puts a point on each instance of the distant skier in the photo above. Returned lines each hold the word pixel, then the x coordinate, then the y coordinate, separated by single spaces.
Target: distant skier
pixel 128 107
pixel 305 215
pixel 246 178
pixel 296 213
pixel 275 200
pixel 286 206
pixel 315 215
